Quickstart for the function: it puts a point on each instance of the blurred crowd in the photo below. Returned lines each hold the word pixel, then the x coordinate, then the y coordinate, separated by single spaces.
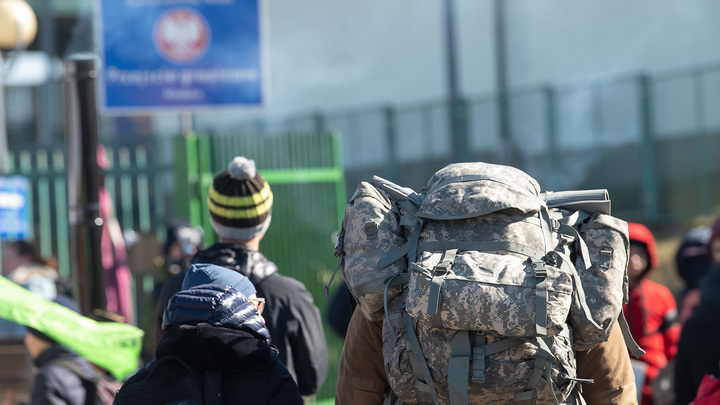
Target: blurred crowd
pixel 678 330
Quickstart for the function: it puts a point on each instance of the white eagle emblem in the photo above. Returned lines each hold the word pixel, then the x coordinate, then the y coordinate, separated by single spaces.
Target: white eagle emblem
pixel 181 35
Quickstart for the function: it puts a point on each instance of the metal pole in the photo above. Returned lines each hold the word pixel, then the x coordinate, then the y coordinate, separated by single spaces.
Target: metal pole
pixel 460 150
pixel 647 152
pixel 507 153
pixel 392 168
pixel 84 180
pixel 3 123
pixel 47 115
pixel 553 156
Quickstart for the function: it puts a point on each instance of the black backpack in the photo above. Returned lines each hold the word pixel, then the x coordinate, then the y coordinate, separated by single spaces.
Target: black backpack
pixel 99 390
pixel 170 381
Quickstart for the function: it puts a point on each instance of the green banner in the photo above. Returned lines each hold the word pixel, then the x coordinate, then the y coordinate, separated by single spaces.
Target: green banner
pixel 113 346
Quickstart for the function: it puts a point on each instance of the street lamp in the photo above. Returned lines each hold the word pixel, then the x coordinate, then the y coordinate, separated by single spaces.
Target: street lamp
pixel 18 26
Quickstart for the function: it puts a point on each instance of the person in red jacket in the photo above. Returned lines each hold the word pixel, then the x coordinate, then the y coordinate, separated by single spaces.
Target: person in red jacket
pixel 651 311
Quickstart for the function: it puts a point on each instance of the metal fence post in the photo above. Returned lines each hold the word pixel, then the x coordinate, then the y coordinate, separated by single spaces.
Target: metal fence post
pixel 552 155
pixel 391 143
pixel 318 122
pixel 647 151
pixel 84 180
pixel 340 185
pixel 702 150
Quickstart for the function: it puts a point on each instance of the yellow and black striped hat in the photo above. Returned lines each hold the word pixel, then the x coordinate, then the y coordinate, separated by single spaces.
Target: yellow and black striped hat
pixel 240 201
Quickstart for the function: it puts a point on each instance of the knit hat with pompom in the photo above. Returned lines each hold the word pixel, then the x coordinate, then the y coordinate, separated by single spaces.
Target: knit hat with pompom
pixel 240 201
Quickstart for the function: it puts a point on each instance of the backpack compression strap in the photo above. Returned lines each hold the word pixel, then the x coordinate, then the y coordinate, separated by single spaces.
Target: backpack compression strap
pixel 423 378
pixel 503 246
pixel 542 367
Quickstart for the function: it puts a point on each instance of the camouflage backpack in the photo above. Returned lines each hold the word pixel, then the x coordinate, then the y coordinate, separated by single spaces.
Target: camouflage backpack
pixel 485 284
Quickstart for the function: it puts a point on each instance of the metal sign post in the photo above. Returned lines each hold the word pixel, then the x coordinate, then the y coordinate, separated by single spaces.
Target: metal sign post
pixel 84 180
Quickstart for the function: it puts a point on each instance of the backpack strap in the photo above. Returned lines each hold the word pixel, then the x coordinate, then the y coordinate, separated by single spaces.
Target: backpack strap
pixel 542 367
pixel 634 348
pixel 459 368
pixel 440 271
pixel 567 227
pixel 423 378
pixel 564 262
pixel 501 246
pixel 540 297
pixel 397 279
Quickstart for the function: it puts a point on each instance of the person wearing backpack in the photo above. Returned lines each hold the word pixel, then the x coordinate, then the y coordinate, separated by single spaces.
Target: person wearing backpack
pixel 362 379
pixel 240 204
pixel 215 349
pixel 651 311
pixel 483 289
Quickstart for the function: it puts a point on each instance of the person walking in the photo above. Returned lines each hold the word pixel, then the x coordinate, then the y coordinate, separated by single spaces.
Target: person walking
pixel 214 325
pixel 61 373
pixel 240 202
pixel 651 311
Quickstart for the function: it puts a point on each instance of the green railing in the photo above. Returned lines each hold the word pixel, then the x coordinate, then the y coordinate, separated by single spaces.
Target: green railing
pixel 648 138
pixel 306 175
pixel 153 180
pixel 135 179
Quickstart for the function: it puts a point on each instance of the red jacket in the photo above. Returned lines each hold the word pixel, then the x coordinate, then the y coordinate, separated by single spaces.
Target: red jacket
pixel 652 316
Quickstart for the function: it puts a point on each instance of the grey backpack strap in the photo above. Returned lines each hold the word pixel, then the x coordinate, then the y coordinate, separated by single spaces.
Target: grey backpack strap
pixel 438 277
pixel 459 368
pixel 578 289
pixel 501 246
pixel 540 297
pixel 542 367
pixel 568 229
pixel 634 348
pixel 423 378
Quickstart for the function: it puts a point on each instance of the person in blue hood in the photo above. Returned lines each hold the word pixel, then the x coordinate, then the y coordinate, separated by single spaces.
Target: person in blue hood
pixel 214 324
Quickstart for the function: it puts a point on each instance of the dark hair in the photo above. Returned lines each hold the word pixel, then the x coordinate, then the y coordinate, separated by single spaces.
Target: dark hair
pixel 26 249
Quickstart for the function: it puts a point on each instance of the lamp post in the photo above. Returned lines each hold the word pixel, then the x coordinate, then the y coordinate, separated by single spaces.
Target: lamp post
pixel 18 26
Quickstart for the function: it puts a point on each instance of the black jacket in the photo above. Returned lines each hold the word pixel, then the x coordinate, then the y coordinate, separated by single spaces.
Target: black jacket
pixel 698 350
pixel 291 316
pixel 250 370
pixel 215 329
pixel 55 384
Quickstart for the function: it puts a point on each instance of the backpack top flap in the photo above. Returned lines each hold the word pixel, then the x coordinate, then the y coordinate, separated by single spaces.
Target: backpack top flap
pixel 468 190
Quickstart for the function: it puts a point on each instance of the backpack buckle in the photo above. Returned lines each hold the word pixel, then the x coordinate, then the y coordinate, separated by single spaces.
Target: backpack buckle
pixel 371 230
pixel 442 267
pixel 540 270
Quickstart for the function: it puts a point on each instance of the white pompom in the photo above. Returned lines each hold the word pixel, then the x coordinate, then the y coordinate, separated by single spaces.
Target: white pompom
pixel 242 168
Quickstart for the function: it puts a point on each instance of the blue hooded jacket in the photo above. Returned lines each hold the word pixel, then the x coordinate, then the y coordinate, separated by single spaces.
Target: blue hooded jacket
pixel 217 305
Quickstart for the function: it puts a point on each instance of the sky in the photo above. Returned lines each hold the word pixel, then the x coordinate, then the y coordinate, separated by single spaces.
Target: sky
pixel 352 53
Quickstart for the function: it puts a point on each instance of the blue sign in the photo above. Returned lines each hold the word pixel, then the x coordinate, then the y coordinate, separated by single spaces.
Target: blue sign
pixel 180 54
pixel 14 208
